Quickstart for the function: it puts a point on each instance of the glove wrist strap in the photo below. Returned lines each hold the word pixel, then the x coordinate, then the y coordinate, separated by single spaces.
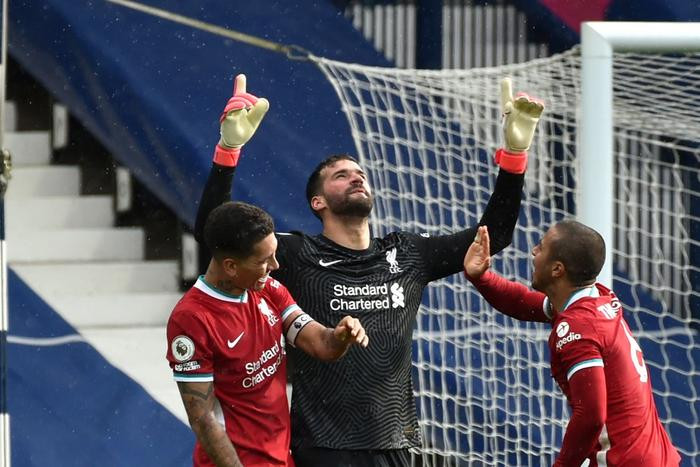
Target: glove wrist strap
pixel 513 162
pixel 226 156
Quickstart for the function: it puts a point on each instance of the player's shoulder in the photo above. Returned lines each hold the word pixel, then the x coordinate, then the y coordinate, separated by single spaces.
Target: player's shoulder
pixel 189 303
pixel 191 311
pixel 399 238
pixel 273 291
pixel 601 306
pixel 273 287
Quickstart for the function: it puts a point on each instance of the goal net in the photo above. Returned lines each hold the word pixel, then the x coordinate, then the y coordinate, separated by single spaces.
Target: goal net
pixel 426 138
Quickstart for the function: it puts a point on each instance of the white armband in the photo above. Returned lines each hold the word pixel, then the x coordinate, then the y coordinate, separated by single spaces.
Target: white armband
pixel 296 327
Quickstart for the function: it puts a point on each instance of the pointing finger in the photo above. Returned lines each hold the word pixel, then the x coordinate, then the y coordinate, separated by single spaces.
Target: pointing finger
pixel 506 95
pixel 239 85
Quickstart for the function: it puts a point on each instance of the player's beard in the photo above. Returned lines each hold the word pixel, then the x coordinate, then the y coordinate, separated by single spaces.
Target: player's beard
pixel 349 206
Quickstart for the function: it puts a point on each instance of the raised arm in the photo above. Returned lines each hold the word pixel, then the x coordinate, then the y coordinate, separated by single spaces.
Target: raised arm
pixel 520 117
pixel 508 297
pixel 239 121
pixel 328 344
pixel 199 400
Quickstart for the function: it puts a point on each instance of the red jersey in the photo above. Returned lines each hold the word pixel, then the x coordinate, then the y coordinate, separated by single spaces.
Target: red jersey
pixel 590 332
pixel 236 342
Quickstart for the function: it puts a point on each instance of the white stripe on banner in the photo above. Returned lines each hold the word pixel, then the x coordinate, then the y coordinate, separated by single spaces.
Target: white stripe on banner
pixel 46 341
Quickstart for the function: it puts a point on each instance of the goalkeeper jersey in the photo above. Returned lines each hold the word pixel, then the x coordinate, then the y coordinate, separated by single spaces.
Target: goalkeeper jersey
pixel 236 342
pixel 365 400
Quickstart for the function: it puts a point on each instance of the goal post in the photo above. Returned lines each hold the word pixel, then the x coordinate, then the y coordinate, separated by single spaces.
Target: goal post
pixel 599 40
pixel 426 139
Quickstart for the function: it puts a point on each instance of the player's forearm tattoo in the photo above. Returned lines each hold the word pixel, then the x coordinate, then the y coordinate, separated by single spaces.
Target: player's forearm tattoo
pixel 186 390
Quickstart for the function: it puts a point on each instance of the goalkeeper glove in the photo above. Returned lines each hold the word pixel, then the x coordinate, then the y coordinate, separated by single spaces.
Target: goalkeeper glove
pixel 520 117
pixel 239 120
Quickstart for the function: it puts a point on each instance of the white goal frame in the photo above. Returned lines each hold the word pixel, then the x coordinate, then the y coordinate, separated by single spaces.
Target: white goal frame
pixel 596 157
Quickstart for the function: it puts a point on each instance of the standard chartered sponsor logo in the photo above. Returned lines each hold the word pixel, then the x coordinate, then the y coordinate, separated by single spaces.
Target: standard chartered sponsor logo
pixel 367 297
pixel 397 295
pixel 261 366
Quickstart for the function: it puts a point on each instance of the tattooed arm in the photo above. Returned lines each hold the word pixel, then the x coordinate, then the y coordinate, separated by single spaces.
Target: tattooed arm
pixel 199 401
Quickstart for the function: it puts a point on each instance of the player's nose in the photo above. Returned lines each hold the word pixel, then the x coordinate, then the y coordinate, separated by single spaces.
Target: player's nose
pixel 273 264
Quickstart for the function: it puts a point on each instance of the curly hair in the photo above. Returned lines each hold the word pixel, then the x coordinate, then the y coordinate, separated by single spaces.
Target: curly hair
pixel 234 228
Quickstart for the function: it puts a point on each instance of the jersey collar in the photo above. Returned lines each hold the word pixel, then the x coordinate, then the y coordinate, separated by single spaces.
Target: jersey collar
pixel 591 291
pixel 212 291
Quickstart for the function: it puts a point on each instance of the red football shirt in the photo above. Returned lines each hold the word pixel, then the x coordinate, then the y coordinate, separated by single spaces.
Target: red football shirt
pixel 236 342
pixel 590 332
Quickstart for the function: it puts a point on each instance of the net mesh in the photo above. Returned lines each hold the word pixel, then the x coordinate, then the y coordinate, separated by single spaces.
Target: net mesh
pixel 426 139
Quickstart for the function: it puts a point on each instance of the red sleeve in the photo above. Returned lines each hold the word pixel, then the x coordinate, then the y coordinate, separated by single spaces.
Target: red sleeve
pixel 282 300
pixel 511 298
pixel 588 414
pixel 189 351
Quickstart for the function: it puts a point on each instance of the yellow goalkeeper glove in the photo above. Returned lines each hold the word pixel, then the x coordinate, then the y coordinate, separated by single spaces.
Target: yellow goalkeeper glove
pixel 520 117
pixel 239 121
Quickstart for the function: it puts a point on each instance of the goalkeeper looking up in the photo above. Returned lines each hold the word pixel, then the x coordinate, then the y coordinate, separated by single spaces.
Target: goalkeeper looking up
pixel 360 411
pixel 594 358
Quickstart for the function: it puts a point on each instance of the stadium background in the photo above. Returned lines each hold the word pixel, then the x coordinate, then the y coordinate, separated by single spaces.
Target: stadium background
pixel 149 92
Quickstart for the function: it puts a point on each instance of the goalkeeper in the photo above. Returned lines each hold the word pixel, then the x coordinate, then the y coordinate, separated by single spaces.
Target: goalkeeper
pixel 594 358
pixel 360 411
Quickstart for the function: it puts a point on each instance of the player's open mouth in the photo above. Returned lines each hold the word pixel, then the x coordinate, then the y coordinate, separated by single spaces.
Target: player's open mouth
pixel 264 278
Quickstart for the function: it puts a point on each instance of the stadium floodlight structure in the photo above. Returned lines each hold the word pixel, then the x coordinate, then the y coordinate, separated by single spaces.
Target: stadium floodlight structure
pixel 617 147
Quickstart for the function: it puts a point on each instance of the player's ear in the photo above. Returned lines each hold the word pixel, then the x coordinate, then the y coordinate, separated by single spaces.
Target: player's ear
pixel 318 202
pixel 230 266
pixel 558 269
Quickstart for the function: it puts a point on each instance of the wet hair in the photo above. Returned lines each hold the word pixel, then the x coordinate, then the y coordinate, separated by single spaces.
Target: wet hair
pixel 234 228
pixel 313 185
pixel 580 249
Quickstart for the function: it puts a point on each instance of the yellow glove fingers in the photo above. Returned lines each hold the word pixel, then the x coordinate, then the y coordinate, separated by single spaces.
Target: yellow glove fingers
pixel 239 85
pixel 506 95
pixel 258 111
pixel 529 106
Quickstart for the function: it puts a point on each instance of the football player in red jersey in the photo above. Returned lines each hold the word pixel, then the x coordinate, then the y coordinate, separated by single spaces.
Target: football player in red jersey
pixel 594 358
pixel 226 344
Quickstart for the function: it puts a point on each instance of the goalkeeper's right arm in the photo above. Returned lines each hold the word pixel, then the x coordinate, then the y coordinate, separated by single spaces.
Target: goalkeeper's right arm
pixel 239 121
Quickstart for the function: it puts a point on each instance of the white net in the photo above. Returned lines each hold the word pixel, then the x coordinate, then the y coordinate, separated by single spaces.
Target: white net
pixel 426 138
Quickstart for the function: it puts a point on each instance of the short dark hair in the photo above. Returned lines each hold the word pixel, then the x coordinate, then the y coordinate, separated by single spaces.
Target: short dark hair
pixel 234 228
pixel 580 249
pixel 313 185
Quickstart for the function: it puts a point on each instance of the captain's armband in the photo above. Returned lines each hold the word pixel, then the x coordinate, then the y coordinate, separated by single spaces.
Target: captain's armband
pixel 296 326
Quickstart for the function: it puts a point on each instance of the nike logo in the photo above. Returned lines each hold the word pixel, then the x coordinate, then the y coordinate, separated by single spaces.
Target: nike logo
pixel 232 344
pixel 328 263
